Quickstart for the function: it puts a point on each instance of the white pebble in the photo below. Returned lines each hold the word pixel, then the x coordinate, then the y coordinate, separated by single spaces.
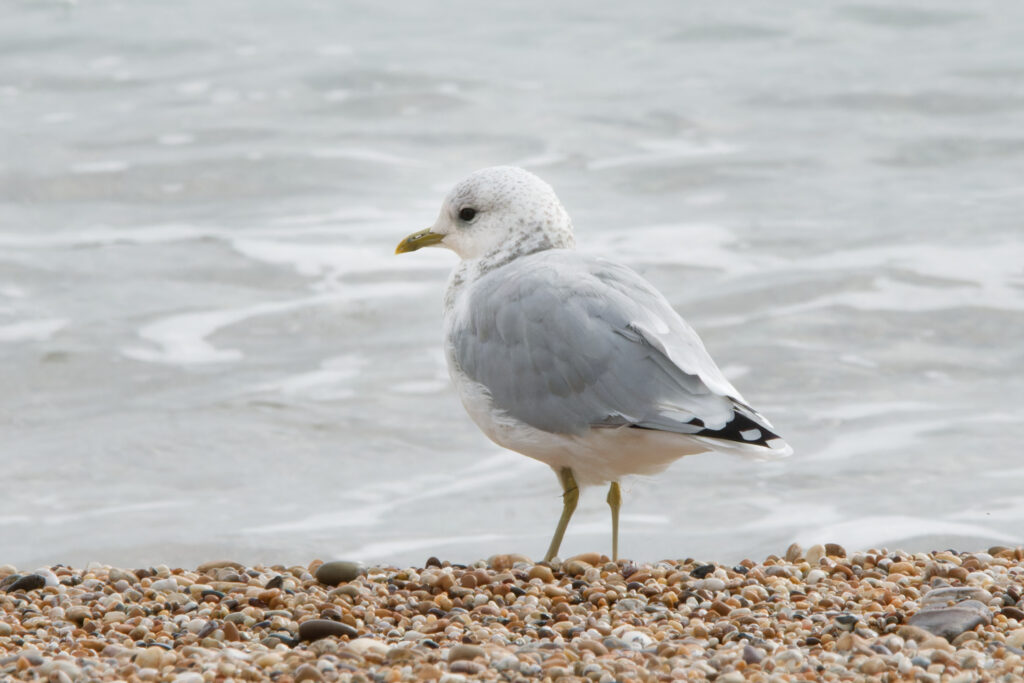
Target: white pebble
pixel 51 578
pixel 814 576
pixel 164 585
pixel 637 640
pixel 1016 638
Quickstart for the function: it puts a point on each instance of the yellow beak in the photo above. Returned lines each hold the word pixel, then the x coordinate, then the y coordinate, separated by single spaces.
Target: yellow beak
pixel 418 240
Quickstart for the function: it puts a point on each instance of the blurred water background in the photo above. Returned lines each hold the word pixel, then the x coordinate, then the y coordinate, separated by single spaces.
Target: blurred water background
pixel 208 348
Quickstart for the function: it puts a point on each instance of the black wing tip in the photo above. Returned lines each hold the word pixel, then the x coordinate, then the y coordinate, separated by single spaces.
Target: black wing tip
pixel 740 429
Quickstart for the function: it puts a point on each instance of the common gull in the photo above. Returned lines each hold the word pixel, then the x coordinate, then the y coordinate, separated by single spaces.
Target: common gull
pixel 573 360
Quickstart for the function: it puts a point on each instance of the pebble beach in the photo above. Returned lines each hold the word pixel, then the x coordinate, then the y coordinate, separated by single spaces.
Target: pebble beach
pixel 814 614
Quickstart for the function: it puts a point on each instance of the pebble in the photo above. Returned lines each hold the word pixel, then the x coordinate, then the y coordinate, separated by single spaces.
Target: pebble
pixel 465 652
pixel 950 621
pixel 27 583
pixel 164 585
pixel 810 614
pixel 315 629
pixel 1016 638
pixel 338 571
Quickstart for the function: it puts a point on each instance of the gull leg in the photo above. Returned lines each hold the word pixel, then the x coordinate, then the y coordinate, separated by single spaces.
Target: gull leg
pixel 570 496
pixel 615 501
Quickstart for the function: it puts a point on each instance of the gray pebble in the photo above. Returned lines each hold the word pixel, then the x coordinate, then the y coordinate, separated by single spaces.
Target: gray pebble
pixel 941 596
pixel 27 583
pixel 315 629
pixel 338 571
pixel 949 622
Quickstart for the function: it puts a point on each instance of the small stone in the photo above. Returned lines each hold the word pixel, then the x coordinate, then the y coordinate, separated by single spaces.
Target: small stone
pixel 207 567
pixel 27 583
pixel 338 571
pixel 834 550
pixel 794 552
pixel 702 571
pixel 814 576
pixel 230 632
pixel 149 657
pixel 873 665
pixel 164 585
pixel 315 629
pixel 5 629
pixel 464 651
pixel 752 655
pixel 944 596
pixel 1016 638
pixel 814 554
pixel 575 567
pixel 466 667
pixel 307 672
pixel 429 672
pixel 591 645
pixel 949 622
pixel 362 646
pixel 1013 613
pixel 713 584
pixel 507 561
pixel 539 571
pixel 846 621
pixel 637 640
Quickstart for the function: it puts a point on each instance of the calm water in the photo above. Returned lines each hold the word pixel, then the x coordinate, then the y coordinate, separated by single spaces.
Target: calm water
pixel 208 349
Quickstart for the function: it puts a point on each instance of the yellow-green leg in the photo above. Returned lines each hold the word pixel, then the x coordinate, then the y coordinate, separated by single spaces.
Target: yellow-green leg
pixel 570 496
pixel 615 501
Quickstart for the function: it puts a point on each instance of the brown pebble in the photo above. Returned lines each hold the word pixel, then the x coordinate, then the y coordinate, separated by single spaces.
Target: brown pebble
pixel 593 559
pixel 835 550
pixel 505 562
pixel 539 571
pixel 1013 613
pixel 468 581
pixel 207 567
pixel 466 667
pixel 575 567
pixel 230 632
pixel 464 651
pixel 721 607
pixel 429 672
pixel 794 552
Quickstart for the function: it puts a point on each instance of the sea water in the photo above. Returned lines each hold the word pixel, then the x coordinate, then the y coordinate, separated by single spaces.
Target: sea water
pixel 208 348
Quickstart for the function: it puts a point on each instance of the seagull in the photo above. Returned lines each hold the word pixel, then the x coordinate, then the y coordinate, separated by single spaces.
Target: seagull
pixel 574 360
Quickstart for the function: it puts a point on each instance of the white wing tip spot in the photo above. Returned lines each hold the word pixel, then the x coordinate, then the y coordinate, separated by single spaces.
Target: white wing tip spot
pixel 751 434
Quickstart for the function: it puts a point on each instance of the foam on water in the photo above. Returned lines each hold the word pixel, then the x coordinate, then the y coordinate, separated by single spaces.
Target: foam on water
pixel 874 531
pixel 32 330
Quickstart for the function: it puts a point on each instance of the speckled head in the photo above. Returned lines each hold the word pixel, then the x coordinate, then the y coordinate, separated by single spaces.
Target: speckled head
pixel 501 211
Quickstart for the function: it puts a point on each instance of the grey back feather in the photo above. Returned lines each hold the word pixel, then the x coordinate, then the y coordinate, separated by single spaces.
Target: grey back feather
pixel 565 342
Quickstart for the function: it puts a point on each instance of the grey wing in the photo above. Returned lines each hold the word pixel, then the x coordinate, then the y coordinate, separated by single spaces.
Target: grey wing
pixel 565 343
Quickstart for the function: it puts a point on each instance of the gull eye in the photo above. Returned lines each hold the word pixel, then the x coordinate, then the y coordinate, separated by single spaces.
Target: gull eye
pixel 467 214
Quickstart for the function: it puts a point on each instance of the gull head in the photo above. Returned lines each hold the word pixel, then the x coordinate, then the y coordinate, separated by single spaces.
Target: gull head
pixel 498 210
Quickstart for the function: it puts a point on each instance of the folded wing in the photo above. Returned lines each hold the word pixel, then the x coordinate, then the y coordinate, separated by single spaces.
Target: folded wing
pixel 567 343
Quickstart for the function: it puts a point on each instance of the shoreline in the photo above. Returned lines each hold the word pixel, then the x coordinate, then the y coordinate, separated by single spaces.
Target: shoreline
pixel 814 614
